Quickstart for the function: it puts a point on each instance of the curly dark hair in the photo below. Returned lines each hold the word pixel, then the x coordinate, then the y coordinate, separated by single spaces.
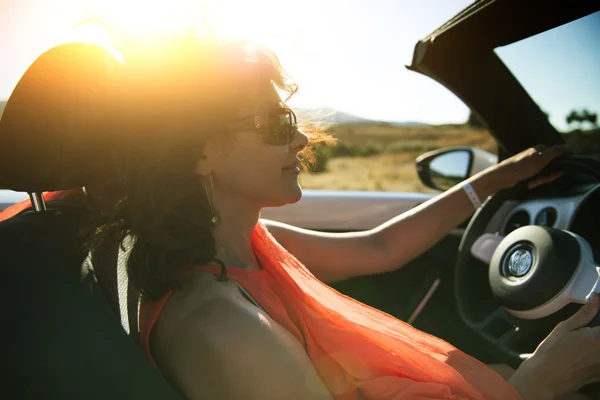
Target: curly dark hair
pixel 173 95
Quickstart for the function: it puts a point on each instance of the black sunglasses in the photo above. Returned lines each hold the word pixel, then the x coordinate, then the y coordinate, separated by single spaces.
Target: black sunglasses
pixel 277 126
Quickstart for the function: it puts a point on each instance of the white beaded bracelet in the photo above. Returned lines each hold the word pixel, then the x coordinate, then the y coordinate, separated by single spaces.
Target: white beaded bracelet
pixel 466 186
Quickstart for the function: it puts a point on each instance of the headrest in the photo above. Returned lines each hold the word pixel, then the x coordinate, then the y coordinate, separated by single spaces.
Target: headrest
pixel 51 135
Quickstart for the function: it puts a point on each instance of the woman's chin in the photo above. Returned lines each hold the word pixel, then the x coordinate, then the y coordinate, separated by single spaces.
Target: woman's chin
pixel 290 196
pixel 297 195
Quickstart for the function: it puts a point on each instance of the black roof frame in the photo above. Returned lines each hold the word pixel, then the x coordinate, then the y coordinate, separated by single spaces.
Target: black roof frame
pixel 460 55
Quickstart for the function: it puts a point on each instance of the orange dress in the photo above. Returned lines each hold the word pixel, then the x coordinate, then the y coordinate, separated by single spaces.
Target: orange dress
pixel 359 352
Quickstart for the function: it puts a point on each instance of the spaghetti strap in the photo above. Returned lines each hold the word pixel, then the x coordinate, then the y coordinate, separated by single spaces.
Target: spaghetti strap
pixel 248 295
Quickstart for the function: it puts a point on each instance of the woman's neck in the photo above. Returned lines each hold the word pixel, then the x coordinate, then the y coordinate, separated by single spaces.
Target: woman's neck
pixel 233 236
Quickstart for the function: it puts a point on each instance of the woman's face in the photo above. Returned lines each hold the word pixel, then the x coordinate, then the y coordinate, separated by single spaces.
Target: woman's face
pixel 248 170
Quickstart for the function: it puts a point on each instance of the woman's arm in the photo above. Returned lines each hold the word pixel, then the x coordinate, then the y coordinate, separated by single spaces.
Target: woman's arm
pixel 228 350
pixel 336 256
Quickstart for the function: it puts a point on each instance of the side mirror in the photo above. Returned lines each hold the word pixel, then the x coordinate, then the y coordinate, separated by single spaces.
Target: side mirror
pixel 443 168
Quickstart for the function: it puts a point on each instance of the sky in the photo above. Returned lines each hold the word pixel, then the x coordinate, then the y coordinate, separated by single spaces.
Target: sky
pixel 349 55
pixel 560 68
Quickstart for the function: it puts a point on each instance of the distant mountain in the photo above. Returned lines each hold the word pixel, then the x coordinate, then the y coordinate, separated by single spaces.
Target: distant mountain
pixel 330 116
pixel 327 115
pixel 409 123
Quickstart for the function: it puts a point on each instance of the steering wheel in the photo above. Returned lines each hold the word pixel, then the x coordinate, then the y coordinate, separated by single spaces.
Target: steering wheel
pixel 535 277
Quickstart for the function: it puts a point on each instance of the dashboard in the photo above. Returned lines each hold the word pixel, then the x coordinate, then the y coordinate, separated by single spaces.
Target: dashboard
pixel 576 211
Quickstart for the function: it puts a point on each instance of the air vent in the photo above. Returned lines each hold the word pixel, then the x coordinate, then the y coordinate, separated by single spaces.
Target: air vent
pixel 546 217
pixel 517 220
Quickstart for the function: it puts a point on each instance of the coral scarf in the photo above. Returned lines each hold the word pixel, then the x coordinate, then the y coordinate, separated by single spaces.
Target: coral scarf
pixel 353 347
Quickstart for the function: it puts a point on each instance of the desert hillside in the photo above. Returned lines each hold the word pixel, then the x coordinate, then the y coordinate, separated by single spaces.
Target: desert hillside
pixel 381 156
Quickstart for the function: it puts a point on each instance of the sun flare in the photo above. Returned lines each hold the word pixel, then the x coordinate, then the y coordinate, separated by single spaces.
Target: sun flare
pixel 279 25
pixel 139 18
pixel 257 20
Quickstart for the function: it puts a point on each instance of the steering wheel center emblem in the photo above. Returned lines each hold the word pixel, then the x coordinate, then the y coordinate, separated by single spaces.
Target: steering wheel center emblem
pixel 520 262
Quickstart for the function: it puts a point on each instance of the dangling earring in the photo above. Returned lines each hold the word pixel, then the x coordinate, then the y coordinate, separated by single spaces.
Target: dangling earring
pixel 215 218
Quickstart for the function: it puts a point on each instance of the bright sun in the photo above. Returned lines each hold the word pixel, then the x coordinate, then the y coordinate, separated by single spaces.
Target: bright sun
pixel 143 18
pixel 242 19
pixel 279 25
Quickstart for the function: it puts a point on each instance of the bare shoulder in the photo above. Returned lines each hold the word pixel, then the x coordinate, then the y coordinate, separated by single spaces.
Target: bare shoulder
pixel 212 343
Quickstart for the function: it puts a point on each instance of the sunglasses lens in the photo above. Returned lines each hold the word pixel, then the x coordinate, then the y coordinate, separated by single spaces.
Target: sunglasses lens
pixel 282 127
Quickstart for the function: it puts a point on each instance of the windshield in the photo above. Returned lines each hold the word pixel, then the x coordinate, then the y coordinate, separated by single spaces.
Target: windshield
pixel 560 69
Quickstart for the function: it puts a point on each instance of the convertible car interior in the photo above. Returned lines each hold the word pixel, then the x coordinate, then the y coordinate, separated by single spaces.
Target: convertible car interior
pixel 525 260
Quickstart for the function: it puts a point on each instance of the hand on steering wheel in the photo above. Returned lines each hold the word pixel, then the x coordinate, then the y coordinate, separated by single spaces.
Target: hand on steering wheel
pixel 527 164
pixel 509 319
pixel 566 360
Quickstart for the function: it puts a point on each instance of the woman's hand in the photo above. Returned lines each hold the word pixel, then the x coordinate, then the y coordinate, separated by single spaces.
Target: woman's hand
pixel 527 164
pixel 567 360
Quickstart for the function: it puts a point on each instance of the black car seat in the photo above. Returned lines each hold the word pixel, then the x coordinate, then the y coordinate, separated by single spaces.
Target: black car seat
pixel 59 337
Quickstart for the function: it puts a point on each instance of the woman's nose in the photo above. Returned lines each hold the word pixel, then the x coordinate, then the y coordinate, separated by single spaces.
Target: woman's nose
pixel 299 142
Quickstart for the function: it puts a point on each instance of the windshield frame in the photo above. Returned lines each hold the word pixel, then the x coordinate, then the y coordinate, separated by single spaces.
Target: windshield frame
pixel 460 56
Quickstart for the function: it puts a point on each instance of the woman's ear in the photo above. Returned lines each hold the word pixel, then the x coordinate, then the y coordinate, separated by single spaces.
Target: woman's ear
pixel 202 166
pixel 211 152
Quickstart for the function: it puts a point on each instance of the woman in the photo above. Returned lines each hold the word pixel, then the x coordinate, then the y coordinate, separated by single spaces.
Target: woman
pixel 227 311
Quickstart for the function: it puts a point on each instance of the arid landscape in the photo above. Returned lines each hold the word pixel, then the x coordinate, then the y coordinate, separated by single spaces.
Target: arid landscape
pixel 381 156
